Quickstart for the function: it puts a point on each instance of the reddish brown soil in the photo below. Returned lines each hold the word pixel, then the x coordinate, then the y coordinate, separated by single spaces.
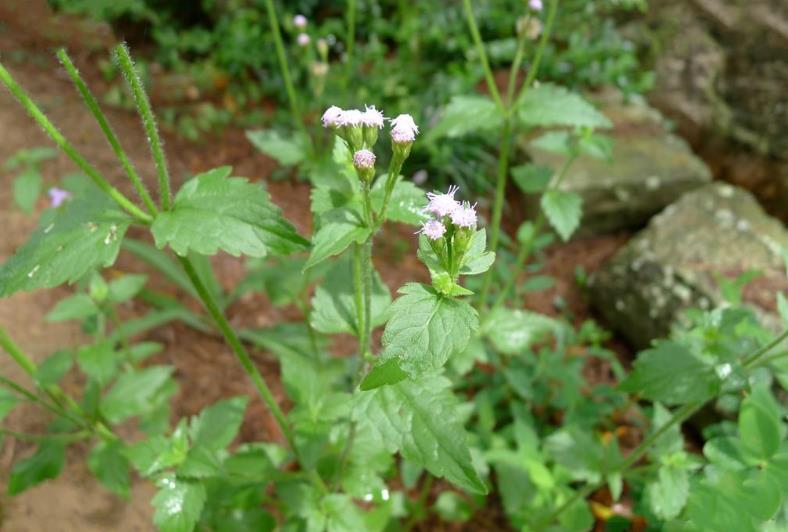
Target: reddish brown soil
pixel 205 367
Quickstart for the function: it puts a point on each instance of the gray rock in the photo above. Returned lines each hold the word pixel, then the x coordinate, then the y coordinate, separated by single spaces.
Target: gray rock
pixel 650 169
pixel 676 263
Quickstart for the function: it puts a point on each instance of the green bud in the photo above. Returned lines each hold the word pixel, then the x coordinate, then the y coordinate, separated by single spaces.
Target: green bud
pixel 370 136
pixel 98 288
pixel 354 135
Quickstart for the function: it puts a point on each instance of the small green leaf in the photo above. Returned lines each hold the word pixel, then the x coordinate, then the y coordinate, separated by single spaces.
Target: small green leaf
pixel 672 374
pixel 46 463
pixel 477 259
pixel 132 393
pixel 514 331
pixel 73 307
pixel 334 303
pixel 550 105
pixel 213 212
pixel 98 361
pixel 288 151
pixel 669 492
pixel 216 426
pixel 54 368
pixel 558 142
pixel 388 372
pixel 27 188
pixel 425 329
pixel 532 178
pixel 579 451
pixel 563 210
pixel 178 504
pixel 110 467
pixel 467 114
pixel 340 229
pixel 126 287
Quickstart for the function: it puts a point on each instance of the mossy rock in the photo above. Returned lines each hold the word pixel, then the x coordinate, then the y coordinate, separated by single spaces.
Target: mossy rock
pixel 716 232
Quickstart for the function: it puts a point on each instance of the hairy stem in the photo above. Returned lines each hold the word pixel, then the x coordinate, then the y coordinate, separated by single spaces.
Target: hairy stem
pixel 477 41
pixel 273 20
pixel 93 105
pixel 148 122
pixel 67 148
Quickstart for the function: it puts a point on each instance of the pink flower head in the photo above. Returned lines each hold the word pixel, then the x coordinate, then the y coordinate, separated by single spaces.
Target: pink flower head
pixel 442 204
pixel 299 21
pixel 433 229
pixel 364 159
pixel 302 39
pixel 331 116
pixel 464 216
pixel 404 129
pixel 371 117
pixel 57 196
pixel 350 117
pixel 536 5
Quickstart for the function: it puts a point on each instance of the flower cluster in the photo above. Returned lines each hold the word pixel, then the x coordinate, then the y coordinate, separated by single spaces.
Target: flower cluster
pixel 447 210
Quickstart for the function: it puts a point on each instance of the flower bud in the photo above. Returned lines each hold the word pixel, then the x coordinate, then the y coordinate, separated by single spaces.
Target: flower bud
pixel 322 49
pixel 536 5
pixel 331 117
pixel 464 216
pixel 433 229
pixel 351 128
pixel 299 21
pixel 302 40
pixel 364 162
pixel 442 204
pixel 372 120
pixel 530 27
pixel 403 134
pixel 319 69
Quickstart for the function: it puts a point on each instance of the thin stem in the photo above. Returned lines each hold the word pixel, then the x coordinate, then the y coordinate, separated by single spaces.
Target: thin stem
pixel 537 61
pixel 395 166
pixel 754 358
pixel 351 38
pixel 10 347
pixel 273 20
pixel 770 359
pixel 500 191
pixel 303 306
pixel 366 265
pixel 358 295
pixel 64 436
pixel 515 69
pixel 421 503
pixel 93 105
pixel 477 41
pixel 148 122
pixel 67 148
pixel 240 351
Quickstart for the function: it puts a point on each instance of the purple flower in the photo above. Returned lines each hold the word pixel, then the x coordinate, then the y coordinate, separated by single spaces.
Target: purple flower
pixel 433 229
pixel 536 5
pixel 331 116
pixel 442 204
pixel 299 21
pixel 302 39
pixel 57 196
pixel 371 117
pixel 364 159
pixel 404 129
pixel 464 216
pixel 350 117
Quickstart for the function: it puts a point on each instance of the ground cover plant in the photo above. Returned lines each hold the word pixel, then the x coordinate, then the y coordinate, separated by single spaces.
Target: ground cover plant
pixel 451 386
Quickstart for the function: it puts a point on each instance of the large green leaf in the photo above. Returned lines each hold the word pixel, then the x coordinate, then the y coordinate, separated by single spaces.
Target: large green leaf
pixel 213 212
pixel 563 210
pixel 512 331
pixel 287 151
pixel 467 114
pixel 216 426
pixel 672 374
pixel 46 463
pixel 550 105
pixel 178 504
pixel 425 329
pixel 70 241
pixel 759 424
pixel 340 229
pixel 420 419
pixel 334 303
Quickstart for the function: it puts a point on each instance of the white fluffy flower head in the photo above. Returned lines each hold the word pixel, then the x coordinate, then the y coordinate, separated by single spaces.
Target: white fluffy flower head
pixel 302 39
pixel 364 159
pixel 371 117
pixel 433 229
pixel 536 5
pixel 299 21
pixel 442 204
pixel 403 129
pixel 464 216
pixel 350 117
pixel 331 116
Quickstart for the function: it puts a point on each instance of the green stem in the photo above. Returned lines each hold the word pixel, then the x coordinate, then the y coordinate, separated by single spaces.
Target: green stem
pixel 93 105
pixel 351 39
pixel 148 122
pixel 391 181
pixel 67 148
pixel 774 357
pixel 421 504
pixel 65 436
pixel 536 63
pixel 518 59
pixel 22 360
pixel 240 351
pixel 358 293
pixel 273 20
pixel 477 41
pixel 366 265
pixel 500 191
pixel 754 358
pixel 303 306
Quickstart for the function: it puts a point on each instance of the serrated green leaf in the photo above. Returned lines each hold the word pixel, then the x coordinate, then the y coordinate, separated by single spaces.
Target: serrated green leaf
pixel 69 242
pixel 46 463
pixel 406 204
pixel 563 211
pixel 579 451
pixel 342 514
pixel 425 329
pixel 668 494
pixel 126 287
pixel 73 307
pixel 27 188
pixel 213 212
pixel 512 331
pixel 340 229
pixel 672 374
pixel 54 368
pixel 178 504
pixel 249 462
pixel 420 419
pixel 216 426
pixel 550 105
pixel 532 178
pixel 557 142
pixel 98 361
pixel 334 303
pixel 467 114
pixel 288 151
pixel 133 392
pixel 110 467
